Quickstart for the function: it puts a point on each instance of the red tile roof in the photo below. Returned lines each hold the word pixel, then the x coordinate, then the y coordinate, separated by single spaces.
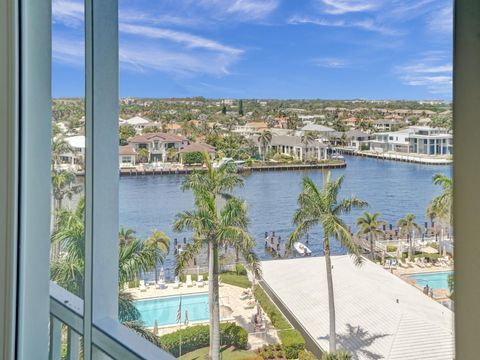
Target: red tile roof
pixel 200 147
pixel 127 150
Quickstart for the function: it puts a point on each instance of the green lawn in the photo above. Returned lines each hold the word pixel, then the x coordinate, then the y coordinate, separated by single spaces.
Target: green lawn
pixel 226 353
pixel 235 280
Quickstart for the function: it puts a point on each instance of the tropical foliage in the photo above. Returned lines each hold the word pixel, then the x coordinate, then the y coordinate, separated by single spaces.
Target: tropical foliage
pixel 321 207
pixel 370 226
pixel 441 206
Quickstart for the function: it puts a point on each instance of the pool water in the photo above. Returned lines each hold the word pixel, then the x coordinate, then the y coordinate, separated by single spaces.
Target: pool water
pixel 165 309
pixel 436 280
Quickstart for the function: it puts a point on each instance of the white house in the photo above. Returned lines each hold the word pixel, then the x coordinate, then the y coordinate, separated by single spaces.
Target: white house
pixel 397 141
pixel 158 144
pixel 127 156
pixel 293 146
pixel 73 160
pixel 138 123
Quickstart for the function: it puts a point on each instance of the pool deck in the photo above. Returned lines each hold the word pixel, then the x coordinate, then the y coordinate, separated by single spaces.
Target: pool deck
pixel 231 307
pixel 378 315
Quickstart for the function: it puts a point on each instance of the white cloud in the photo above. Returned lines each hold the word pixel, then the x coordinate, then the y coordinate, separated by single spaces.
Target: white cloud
pixel 332 63
pixel 441 21
pixel 337 7
pixel 433 70
pixel 366 24
pixel 68 12
pixel 245 9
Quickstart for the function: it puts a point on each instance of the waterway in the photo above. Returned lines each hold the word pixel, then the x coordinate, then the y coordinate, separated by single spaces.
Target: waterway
pixel 392 188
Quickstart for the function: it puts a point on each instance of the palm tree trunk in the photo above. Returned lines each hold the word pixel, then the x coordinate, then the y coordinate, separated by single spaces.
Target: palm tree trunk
pixel 214 304
pixel 331 301
pixel 372 250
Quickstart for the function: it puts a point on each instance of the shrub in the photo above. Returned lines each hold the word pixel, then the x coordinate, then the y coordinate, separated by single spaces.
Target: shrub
pixel 306 355
pixel 240 269
pixel 339 355
pixel 293 342
pixel 198 336
pixel 271 310
pixel 391 248
pixel 133 284
pixel 195 157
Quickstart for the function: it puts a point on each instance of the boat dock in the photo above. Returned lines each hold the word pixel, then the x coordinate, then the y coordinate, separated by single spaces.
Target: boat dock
pixel 246 169
pixel 412 158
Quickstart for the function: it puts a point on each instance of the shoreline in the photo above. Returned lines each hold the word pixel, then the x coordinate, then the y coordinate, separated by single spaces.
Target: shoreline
pixel 399 157
pixel 294 167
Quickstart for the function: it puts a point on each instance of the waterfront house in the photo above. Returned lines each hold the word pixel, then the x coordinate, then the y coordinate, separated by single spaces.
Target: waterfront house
pixel 73 160
pixel 127 156
pixel 293 146
pixel 396 141
pixel 385 125
pixel 138 123
pixel 354 139
pixel 158 144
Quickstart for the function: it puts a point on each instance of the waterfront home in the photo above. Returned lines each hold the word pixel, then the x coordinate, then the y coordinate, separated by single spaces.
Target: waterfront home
pixel 127 156
pixel 321 130
pixel 415 140
pixel 73 160
pixel 293 146
pixel 197 147
pixel 138 123
pixel 251 128
pixel 355 139
pixel 158 144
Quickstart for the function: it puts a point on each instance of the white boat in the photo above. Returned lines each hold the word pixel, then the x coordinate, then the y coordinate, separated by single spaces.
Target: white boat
pixel 338 157
pixel 302 249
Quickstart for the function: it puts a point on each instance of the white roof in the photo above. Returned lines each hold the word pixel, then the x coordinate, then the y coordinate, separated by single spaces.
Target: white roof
pixel 368 318
pixel 76 141
pixel 137 120
pixel 315 127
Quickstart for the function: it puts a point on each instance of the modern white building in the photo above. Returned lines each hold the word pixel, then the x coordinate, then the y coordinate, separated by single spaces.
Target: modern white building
pixel 415 140
pixel 293 146
pixel 138 123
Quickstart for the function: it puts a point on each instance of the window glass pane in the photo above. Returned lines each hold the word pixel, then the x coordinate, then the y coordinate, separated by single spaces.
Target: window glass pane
pixel 68 145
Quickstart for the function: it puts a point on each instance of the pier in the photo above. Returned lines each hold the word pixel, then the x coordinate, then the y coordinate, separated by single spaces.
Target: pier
pixel 412 158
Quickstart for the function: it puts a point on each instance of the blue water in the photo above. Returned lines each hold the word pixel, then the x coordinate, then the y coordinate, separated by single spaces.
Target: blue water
pixel 165 309
pixel 390 187
pixel 437 280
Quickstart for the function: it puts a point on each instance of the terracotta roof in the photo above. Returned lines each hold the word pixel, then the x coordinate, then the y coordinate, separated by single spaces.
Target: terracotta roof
pixel 127 150
pixel 200 147
pixel 164 137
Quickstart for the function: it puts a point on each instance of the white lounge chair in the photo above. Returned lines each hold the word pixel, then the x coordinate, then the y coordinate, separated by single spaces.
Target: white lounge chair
pixel 420 263
pixel 200 282
pixel 386 265
pixel 189 281
pixel 176 284
pixel 142 286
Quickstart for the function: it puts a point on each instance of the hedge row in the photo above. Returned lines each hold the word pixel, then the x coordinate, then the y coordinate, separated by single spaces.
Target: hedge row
pixel 293 342
pixel 232 278
pixel 198 336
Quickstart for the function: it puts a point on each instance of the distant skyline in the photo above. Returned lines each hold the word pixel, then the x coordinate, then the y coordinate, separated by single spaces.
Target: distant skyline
pixel 277 49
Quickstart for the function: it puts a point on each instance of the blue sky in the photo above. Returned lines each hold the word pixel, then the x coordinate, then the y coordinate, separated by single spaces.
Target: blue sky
pixel 329 49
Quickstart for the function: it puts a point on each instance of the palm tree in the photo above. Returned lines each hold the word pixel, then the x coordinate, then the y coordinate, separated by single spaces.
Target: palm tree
pixel 63 186
pixel 321 207
pixel 68 271
pixel 159 241
pixel 211 187
pixel 59 146
pixel 216 228
pixel 370 227
pixel 143 155
pixel 306 139
pixel 441 206
pixel 126 236
pixel 408 226
pixel 265 138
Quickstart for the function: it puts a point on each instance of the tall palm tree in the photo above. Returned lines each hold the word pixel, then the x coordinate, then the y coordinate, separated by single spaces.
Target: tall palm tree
pixel 408 226
pixel 64 186
pixel 265 138
pixel 218 183
pixel 321 207
pixel 306 139
pixel 441 206
pixel 216 228
pixel 370 226
pixel 126 235
pixel 159 241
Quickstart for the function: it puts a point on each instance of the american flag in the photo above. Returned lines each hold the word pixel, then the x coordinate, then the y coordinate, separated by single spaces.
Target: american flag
pixel 179 312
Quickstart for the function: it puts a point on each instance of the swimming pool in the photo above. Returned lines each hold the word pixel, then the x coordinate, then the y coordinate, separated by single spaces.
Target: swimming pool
pixel 435 280
pixel 165 309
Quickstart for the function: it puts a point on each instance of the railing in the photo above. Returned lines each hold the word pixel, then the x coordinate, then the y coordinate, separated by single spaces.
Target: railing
pixel 110 339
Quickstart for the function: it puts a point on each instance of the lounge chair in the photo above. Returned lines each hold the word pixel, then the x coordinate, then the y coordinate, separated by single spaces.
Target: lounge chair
pixel 247 294
pixel 393 264
pixel 161 284
pixel 189 281
pixel 387 264
pixel 402 264
pixel 420 263
pixel 142 286
pixel 176 284
pixel 200 282
pixel 250 304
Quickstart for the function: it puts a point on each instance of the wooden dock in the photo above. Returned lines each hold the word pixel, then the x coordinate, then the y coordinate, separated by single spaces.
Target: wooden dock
pixel 186 171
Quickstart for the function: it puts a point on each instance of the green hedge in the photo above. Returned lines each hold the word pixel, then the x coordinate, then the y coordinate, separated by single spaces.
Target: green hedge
pixel 195 157
pixel 306 355
pixel 339 355
pixel 198 336
pixel 271 309
pixel 293 342
pixel 391 248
